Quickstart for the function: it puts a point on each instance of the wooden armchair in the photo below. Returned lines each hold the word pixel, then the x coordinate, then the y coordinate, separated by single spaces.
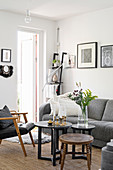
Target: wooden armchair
pixel 13 129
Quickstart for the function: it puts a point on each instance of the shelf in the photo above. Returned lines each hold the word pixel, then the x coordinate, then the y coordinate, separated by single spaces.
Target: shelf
pixel 54 83
pixel 54 67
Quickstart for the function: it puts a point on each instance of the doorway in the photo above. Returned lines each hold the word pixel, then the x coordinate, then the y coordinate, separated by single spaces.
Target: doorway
pixel 27 64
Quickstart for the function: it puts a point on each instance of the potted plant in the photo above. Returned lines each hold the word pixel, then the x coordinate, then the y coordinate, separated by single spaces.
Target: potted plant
pixel 56 62
pixel 82 98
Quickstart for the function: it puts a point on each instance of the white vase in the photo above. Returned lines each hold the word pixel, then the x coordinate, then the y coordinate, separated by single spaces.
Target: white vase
pixel 55 78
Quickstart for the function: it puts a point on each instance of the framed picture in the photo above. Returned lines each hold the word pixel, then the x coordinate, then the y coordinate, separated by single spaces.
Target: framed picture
pixel 106 56
pixel 69 61
pixel 6 55
pixel 87 55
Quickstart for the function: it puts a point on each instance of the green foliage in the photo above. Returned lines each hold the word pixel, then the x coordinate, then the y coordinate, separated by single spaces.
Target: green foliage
pixel 82 98
pixel 54 61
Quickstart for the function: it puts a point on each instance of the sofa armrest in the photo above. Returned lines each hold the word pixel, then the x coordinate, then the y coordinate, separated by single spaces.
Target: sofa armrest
pixel 44 109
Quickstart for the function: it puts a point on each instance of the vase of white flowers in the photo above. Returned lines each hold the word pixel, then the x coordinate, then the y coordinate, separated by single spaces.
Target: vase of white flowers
pixel 82 98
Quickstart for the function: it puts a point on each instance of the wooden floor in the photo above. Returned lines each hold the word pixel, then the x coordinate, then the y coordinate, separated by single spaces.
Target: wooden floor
pixel 12 158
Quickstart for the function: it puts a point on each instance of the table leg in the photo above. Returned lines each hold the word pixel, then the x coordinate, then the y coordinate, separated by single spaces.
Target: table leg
pixel 51 141
pixel 88 157
pixel 73 150
pixel 64 132
pixel 63 156
pixel 39 142
pixel 89 132
pixel 54 147
pixel 57 139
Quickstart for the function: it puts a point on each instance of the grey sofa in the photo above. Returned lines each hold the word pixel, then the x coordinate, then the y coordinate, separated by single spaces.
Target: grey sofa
pixel 100 114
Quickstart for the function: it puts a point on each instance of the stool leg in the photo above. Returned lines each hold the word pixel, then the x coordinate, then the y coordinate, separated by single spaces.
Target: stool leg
pixel 63 156
pixel 88 157
pixel 73 150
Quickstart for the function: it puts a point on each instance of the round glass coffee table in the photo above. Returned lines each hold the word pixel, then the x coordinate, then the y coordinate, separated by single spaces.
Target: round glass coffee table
pixel 54 139
pixel 83 129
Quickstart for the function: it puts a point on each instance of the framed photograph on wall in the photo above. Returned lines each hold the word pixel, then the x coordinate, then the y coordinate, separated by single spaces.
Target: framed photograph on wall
pixel 106 56
pixel 69 61
pixel 87 55
pixel 6 55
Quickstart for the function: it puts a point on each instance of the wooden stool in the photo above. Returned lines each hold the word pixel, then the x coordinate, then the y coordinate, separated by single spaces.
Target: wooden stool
pixel 75 139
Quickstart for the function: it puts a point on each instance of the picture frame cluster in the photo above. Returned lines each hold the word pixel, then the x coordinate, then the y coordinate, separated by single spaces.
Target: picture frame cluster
pixel 87 55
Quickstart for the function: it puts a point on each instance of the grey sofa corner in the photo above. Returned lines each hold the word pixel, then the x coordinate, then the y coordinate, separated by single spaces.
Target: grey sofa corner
pixel 100 114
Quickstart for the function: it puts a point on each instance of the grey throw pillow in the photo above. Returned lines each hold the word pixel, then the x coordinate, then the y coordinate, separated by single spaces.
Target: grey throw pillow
pixel 108 113
pixel 5 113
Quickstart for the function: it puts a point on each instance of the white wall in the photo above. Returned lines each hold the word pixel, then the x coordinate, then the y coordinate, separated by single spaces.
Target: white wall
pixel 92 27
pixel 9 24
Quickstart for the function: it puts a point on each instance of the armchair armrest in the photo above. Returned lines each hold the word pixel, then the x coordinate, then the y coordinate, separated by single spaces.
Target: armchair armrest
pixel 19 113
pixel 12 111
pixel 24 115
pixel 44 109
pixel 9 118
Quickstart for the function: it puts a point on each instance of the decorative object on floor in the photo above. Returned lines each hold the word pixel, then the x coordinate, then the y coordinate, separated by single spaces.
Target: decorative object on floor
pixel 83 100
pixel 6 71
pixel 107 157
pixel 6 55
pixel 87 55
pixel 107 56
pixel 26 138
pixel 9 127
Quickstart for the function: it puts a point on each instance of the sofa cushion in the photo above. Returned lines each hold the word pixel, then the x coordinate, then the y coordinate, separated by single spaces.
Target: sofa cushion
pixel 47 117
pixel 5 113
pixel 103 130
pixel 108 113
pixel 64 105
pixel 96 108
pixel 72 120
pixel 44 109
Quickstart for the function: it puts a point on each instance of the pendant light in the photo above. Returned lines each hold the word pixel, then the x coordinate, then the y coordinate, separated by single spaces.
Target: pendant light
pixel 28 17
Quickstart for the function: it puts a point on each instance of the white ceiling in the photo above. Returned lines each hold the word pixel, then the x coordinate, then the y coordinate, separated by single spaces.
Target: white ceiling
pixel 55 9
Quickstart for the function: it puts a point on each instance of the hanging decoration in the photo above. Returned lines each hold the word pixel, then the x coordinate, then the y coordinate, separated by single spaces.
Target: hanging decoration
pixel 6 71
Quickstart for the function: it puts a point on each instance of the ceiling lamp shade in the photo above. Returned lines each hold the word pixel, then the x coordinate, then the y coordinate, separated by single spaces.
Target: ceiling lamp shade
pixel 28 17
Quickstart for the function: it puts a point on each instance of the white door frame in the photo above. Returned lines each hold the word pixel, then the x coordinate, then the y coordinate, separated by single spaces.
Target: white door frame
pixel 41 62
